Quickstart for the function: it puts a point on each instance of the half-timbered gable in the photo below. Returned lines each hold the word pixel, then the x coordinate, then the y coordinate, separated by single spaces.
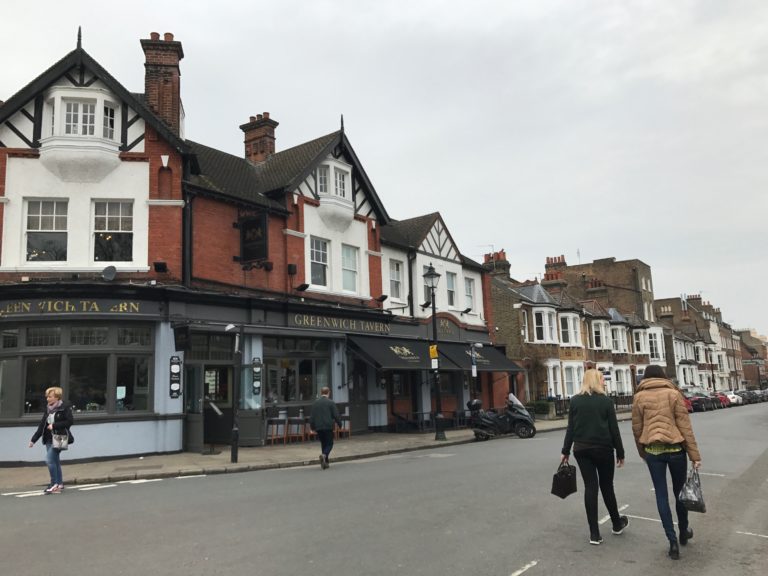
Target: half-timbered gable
pixel 88 170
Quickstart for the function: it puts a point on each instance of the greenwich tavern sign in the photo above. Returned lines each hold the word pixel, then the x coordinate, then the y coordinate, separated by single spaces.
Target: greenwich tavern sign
pixel 319 322
pixel 72 306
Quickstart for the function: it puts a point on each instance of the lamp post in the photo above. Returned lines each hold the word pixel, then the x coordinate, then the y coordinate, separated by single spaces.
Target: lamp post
pixel 236 379
pixel 431 278
pixel 473 347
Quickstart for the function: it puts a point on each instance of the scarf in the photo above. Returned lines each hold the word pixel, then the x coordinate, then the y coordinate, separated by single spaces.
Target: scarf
pixel 55 406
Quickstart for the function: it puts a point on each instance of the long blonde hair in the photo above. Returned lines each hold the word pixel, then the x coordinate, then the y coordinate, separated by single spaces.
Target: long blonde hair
pixel 593 382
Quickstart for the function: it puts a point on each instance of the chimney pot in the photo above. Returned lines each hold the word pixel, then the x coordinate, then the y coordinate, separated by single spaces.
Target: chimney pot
pixel 259 117
pixel 266 115
pixel 154 36
pixel 253 118
pixel 168 37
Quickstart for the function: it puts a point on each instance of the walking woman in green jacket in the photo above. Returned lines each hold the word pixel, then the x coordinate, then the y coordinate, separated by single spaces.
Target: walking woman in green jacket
pixel 594 433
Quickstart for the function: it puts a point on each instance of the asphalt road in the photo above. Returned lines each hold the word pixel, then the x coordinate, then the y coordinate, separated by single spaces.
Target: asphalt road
pixel 475 509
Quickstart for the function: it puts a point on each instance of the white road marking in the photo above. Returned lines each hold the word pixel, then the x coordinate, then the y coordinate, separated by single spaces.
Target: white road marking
pixel 79 486
pixel 29 492
pixel 39 493
pixel 525 568
pixel 97 487
pixel 644 518
pixel 141 481
pixel 606 518
pixel 711 474
pixel 191 476
pixel 752 534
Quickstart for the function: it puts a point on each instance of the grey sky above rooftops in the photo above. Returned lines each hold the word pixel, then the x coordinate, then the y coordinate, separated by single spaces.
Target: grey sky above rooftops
pixel 589 129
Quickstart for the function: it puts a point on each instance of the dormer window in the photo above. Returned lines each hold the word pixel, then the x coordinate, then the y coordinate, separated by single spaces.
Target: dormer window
pixel 80 118
pixel 322 180
pixel 109 122
pixel 341 183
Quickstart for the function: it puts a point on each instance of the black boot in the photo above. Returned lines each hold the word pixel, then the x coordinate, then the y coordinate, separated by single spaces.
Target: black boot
pixel 674 551
pixel 685 535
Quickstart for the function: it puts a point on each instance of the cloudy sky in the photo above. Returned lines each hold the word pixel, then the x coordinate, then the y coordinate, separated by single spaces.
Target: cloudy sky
pixel 591 129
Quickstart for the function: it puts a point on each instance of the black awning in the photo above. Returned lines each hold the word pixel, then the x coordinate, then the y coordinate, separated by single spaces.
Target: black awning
pixel 392 353
pixel 487 358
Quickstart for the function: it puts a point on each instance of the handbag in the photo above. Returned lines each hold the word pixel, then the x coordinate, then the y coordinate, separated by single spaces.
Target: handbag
pixel 61 441
pixel 691 496
pixel 564 480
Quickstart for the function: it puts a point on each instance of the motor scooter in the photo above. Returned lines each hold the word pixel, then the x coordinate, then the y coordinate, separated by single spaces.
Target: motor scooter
pixel 489 424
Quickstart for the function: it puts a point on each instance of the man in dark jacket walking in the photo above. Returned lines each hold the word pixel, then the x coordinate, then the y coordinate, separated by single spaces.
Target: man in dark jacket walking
pixel 324 414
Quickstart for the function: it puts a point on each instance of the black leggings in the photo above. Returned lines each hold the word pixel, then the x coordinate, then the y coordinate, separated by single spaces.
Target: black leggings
pixel 597 467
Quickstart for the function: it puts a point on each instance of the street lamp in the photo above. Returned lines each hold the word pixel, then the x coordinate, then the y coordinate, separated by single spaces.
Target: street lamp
pixel 236 378
pixel 431 278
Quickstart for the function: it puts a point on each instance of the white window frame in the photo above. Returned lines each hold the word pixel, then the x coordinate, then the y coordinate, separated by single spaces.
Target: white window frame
pixel 469 293
pixel 395 279
pixel 322 179
pixel 57 222
pixel 450 285
pixel 319 249
pixel 121 222
pixel 349 268
pixel 524 330
pixel 570 330
pixel 570 375
pixel 340 182
pixel 109 121
pixel 547 326
pixel 79 117
pixel 618 339
pixel 654 347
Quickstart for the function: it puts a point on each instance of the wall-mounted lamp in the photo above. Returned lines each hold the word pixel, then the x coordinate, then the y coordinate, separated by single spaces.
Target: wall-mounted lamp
pixel 383 383
pixel 466 310
pixel 302 287
pixel 381 298
pixel 426 304
pixel 292 269
pixel 160 266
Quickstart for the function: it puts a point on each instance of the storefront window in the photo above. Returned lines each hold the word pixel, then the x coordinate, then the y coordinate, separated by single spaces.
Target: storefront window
pixel 10 338
pixel 88 383
pixel 132 384
pixel 295 368
pixel 91 365
pixel 42 372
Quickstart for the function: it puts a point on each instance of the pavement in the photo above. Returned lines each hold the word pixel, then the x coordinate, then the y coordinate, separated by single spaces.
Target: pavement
pixel 359 446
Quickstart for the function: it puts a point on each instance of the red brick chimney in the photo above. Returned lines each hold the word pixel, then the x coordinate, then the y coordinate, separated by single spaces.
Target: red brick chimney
pixel 259 137
pixel 162 78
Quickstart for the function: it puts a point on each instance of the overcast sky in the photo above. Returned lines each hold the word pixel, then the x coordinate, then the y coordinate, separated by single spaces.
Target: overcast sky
pixel 591 129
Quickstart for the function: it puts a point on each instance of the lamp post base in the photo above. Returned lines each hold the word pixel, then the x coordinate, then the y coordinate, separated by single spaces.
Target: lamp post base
pixel 439 432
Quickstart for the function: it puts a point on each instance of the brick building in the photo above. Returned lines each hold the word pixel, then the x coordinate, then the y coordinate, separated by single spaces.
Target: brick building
pixel 184 295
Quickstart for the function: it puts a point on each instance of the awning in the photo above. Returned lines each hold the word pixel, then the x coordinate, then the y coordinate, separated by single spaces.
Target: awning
pixel 487 358
pixel 392 353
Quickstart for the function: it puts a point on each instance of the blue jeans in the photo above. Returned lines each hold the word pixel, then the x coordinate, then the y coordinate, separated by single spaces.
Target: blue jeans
pixel 53 461
pixel 678 465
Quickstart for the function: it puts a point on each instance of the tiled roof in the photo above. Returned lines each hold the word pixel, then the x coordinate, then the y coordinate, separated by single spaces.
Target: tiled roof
pixel 408 233
pixel 616 316
pixel 594 309
pixel 287 169
pixel 228 175
pixel 536 294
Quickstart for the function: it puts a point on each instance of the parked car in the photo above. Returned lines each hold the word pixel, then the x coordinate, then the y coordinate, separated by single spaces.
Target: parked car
pixel 688 404
pixel 699 401
pixel 719 397
pixel 735 399
pixel 748 396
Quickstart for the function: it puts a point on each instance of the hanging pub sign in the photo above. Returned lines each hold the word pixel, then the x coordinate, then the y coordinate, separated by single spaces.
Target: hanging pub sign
pixel 253 237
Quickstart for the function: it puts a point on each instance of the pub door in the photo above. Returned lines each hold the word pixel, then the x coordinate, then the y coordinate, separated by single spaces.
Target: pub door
pixel 193 409
pixel 358 398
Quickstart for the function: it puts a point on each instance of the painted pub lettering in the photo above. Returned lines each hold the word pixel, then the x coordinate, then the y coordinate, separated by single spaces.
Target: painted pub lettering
pixel 63 306
pixel 334 323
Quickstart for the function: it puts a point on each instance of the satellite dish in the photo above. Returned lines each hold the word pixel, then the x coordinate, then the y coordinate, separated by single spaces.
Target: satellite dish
pixel 109 273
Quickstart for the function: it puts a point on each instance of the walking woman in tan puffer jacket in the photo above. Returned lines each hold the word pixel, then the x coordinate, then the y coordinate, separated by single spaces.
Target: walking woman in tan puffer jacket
pixel 664 436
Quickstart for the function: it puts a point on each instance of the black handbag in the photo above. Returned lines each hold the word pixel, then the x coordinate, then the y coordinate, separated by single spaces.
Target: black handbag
pixel 691 496
pixel 564 480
